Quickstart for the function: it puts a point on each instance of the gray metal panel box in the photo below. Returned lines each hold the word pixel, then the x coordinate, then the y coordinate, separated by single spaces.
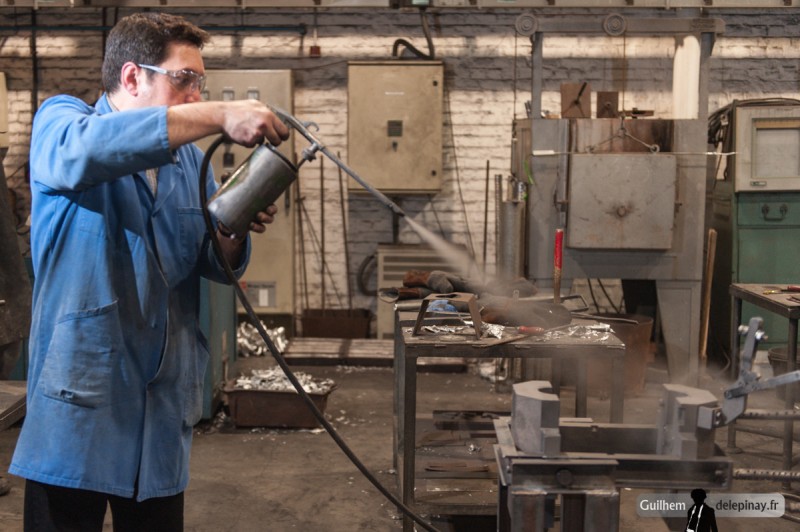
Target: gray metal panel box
pixel 269 278
pixel 621 201
pixel 394 125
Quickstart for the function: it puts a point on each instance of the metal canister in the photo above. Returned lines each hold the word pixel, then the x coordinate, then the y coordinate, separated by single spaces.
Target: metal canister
pixel 257 183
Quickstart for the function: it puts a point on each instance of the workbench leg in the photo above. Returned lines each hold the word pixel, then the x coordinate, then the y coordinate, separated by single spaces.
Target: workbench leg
pixel 408 443
pixel 581 385
pixel 617 389
pixel 601 513
pixel 788 425
pixel 528 508
pixel 736 320
pixel 397 399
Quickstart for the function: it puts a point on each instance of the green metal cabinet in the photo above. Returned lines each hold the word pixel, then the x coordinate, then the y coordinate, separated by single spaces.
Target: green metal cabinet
pixel 218 322
pixel 758 241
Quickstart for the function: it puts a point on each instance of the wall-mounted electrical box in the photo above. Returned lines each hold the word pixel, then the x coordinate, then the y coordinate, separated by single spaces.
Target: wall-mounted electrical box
pixel 394 125
pixel 4 140
pixel 269 279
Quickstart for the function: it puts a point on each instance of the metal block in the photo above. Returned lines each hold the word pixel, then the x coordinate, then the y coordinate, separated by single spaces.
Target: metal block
pixel 681 435
pixel 534 418
pixel 621 201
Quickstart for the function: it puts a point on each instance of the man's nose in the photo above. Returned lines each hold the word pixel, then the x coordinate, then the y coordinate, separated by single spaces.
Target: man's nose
pixel 194 96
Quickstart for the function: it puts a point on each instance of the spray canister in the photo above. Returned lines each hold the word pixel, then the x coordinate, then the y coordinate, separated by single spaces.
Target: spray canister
pixel 257 183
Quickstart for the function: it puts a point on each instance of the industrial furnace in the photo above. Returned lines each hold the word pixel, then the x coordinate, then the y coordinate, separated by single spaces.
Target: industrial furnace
pixel 629 192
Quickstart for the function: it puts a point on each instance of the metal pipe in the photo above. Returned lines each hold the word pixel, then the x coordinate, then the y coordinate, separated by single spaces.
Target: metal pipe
pixel 770 414
pixel 298 28
pixel 765 474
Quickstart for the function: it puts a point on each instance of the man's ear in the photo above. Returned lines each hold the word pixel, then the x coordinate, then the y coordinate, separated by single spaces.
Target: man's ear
pixel 130 77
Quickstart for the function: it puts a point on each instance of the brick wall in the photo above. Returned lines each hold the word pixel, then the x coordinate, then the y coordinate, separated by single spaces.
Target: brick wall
pixel 487 81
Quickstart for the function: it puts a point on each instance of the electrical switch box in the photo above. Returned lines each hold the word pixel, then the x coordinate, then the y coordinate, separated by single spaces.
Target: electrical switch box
pixel 394 125
pixel 269 278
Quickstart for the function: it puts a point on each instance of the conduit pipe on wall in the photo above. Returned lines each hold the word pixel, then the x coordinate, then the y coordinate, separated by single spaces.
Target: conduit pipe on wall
pixel 299 28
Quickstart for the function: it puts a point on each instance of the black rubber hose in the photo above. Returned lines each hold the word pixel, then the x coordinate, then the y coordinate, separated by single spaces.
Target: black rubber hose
pixel 402 42
pixel 278 356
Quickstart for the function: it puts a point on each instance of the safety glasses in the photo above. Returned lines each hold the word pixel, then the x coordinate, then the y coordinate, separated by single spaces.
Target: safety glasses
pixel 181 79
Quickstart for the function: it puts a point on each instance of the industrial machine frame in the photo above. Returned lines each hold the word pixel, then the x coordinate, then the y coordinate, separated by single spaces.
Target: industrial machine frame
pixel 553 148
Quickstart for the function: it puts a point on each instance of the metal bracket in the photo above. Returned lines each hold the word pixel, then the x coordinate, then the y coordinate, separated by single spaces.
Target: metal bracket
pixel 735 401
pixel 454 298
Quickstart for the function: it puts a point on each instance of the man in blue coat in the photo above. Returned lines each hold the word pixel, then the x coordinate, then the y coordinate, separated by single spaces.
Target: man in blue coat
pixel 118 243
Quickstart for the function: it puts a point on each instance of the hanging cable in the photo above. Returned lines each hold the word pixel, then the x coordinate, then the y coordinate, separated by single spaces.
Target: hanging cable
pixel 608 297
pixel 278 356
pixel 402 42
pixel 365 271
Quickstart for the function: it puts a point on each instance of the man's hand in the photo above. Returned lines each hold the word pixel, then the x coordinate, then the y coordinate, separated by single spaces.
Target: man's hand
pixel 232 247
pixel 249 122
pixel 267 216
pixel 246 122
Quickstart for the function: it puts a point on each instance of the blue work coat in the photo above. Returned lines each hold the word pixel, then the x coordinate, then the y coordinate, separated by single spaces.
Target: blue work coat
pixel 117 359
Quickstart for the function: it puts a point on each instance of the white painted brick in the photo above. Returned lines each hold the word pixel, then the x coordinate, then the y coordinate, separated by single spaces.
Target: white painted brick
pixel 487 77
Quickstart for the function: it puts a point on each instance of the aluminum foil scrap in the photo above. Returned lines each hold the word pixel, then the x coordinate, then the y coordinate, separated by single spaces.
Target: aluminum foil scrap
pixel 274 380
pixel 250 343
pixel 599 332
pixel 446 329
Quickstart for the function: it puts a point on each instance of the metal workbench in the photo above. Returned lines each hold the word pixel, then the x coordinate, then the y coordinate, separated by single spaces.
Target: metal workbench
pixel 409 348
pixel 780 304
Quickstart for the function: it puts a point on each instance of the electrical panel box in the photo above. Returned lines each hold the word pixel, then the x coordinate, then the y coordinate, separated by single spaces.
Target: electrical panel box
pixel 4 140
pixel 269 278
pixel 394 125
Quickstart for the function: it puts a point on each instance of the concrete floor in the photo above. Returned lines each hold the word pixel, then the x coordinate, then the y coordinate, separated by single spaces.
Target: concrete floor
pixel 285 480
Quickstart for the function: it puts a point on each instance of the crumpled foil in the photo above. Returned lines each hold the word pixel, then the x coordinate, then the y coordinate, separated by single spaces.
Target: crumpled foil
pixel 492 330
pixel 446 329
pixel 274 380
pixel 250 343
pixel 599 332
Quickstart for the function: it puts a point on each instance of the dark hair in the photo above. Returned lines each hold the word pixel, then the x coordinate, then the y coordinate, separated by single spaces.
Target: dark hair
pixel 143 38
pixel 698 495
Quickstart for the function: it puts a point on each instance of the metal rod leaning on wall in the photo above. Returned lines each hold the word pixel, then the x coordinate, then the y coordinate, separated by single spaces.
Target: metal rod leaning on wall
pixel 485 216
pixel 344 237
pixel 705 311
pixel 323 264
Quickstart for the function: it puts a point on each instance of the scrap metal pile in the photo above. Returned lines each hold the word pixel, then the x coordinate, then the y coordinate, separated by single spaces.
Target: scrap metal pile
pixel 274 380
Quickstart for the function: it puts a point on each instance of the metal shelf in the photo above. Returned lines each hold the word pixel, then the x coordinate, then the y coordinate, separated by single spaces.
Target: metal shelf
pixel 403 4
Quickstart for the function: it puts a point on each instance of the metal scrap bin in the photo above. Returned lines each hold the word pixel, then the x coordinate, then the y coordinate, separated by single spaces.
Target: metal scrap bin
pixel 278 409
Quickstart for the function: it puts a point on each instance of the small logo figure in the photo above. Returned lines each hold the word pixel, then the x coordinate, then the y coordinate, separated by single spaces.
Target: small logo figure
pixel 701 516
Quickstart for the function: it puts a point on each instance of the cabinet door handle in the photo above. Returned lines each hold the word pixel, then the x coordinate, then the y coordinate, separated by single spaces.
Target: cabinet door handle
pixel 782 210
